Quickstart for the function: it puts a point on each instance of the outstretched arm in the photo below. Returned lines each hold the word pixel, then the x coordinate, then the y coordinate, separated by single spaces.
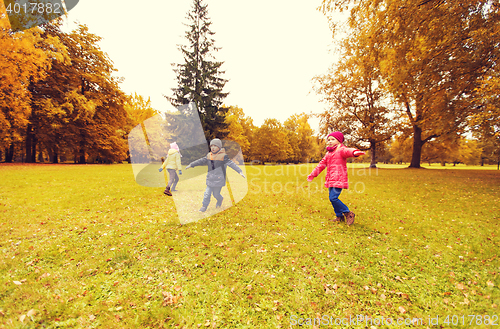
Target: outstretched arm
pixel 351 152
pixel 319 168
pixel 199 162
pixel 233 165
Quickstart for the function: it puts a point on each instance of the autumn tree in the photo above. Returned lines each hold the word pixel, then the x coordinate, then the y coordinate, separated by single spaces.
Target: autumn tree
pixel 199 78
pixel 47 98
pixel 400 148
pixel 358 104
pixel 319 149
pixel 468 152
pixel 241 129
pixel 22 61
pixel 249 130
pixel 300 138
pixel 78 108
pixel 235 120
pixel 271 142
pixel 138 110
pixel 433 54
pixel 485 124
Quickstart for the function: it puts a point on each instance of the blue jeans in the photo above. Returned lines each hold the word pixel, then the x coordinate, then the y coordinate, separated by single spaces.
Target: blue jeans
pixel 338 206
pixel 208 193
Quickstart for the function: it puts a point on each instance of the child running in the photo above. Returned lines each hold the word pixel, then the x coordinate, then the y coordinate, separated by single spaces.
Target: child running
pixel 217 161
pixel 336 174
pixel 172 163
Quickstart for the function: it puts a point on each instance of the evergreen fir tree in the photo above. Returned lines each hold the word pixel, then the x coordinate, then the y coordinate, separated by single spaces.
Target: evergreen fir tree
pixel 199 77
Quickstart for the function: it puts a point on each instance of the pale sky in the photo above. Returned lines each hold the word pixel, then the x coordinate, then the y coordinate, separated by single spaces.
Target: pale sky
pixel 271 49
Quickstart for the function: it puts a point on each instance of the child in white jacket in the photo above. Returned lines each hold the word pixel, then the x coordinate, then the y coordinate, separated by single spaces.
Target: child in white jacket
pixel 172 163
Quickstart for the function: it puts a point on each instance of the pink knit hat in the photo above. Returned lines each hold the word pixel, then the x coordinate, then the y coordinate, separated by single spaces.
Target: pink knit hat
pixel 174 146
pixel 337 135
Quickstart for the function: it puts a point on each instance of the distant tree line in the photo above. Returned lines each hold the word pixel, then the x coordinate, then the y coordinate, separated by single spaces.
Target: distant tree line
pixel 414 78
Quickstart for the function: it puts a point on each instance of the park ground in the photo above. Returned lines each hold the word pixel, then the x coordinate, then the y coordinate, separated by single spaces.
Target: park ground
pixel 85 246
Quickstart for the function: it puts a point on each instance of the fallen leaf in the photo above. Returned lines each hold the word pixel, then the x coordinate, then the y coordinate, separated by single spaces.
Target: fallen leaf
pixel 490 284
pixel 403 295
pixel 44 275
pixel 169 299
pixel 460 286
pixel 31 312
pixel 402 310
pixel 17 283
pixel 22 317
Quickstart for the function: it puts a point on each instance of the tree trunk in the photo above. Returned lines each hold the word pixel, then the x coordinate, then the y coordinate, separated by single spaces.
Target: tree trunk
pixel 9 153
pixel 40 153
pixel 28 144
pixel 417 147
pixel 81 151
pixel 373 154
pixel 81 158
pixel 34 143
pixel 55 157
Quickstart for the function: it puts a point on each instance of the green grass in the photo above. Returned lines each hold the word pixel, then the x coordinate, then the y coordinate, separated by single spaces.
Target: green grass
pixel 84 246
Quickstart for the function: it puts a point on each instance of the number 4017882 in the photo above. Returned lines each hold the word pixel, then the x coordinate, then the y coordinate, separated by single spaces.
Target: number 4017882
pixel 34 8
pixel 471 320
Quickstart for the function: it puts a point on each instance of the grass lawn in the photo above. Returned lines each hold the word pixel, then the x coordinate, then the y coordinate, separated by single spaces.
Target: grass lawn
pixel 84 246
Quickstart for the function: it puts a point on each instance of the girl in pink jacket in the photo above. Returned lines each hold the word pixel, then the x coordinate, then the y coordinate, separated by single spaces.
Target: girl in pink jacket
pixel 336 173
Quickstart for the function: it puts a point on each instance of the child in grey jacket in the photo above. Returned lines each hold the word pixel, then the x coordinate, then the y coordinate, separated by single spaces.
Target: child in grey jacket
pixel 216 161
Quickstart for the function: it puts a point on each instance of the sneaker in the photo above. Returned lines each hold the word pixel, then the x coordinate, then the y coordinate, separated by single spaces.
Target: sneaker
pixel 167 191
pixel 349 218
pixel 219 203
pixel 202 209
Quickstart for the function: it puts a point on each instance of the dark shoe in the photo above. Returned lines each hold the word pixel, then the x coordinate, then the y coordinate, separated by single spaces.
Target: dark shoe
pixel 219 203
pixel 167 191
pixel 349 217
pixel 339 219
pixel 203 209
